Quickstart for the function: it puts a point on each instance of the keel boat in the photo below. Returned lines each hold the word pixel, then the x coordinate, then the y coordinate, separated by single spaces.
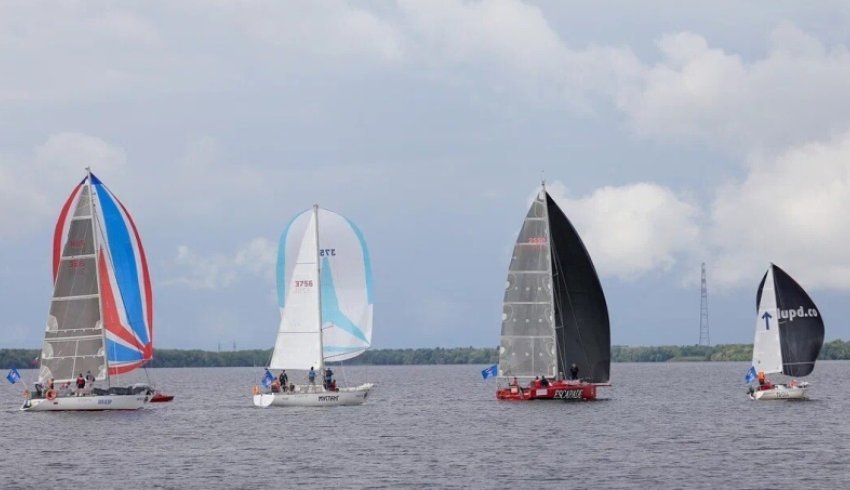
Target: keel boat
pixel 556 341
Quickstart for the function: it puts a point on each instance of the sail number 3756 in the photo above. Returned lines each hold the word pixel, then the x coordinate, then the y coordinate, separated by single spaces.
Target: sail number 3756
pixel 304 284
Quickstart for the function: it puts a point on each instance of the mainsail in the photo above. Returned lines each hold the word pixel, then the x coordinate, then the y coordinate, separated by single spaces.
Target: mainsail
pixel 324 280
pixel 554 311
pixel 789 328
pixel 101 313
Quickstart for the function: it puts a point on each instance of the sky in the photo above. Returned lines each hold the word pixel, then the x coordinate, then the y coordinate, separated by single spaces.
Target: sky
pixel 670 133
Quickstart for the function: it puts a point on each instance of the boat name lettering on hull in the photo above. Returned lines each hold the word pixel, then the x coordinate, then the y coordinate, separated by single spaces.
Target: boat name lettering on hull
pixel 329 398
pixel 568 394
pixel 104 402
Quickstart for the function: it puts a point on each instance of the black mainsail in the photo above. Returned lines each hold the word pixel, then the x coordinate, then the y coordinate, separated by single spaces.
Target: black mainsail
pixel 554 311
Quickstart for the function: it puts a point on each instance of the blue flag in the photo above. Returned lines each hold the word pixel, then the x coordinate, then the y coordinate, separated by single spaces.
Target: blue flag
pixel 13 376
pixel 267 379
pixel 490 371
pixel 751 375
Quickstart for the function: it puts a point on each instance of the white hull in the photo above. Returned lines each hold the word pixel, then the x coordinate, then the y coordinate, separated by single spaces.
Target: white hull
pixel 311 396
pixel 781 392
pixel 86 403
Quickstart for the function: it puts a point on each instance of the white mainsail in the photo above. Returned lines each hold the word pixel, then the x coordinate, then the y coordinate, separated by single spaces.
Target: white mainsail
pixel 298 344
pixel 767 351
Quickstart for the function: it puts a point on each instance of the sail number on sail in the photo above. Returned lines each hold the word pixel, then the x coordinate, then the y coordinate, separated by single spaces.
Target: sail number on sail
pixel 324 252
pixel 304 284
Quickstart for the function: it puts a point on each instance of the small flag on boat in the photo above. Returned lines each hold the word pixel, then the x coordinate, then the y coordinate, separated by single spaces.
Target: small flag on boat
pixel 751 375
pixel 490 371
pixel 13 376
pixel 267 379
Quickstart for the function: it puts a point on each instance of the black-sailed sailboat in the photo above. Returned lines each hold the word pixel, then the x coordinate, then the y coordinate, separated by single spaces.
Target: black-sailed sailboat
pixel 556 340
pixel 788 337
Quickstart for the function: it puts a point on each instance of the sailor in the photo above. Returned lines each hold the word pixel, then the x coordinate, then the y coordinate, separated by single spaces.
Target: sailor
pixel 573 371
pixel 284 379
pixel 311 376
pixel 764 384
pixel 81 384
pixel 514 382
pixel 544 381
pixel 329 376
pixel 89 380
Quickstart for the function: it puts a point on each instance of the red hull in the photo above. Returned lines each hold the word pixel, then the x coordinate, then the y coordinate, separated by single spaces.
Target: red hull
pixel 557 390
pixel 160 398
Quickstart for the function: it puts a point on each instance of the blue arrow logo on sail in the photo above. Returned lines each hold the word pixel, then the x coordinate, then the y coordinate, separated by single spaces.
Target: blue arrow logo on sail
pixel 767 316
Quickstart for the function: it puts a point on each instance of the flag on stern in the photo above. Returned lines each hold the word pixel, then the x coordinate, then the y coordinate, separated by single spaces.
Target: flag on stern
pixel 490 371
pixel 751 375
pixel 14 376
pixel 267 379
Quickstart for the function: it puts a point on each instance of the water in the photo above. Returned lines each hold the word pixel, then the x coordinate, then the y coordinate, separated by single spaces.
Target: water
pixel 673 425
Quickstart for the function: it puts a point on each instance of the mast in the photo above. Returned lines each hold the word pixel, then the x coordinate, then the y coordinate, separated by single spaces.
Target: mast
pixel 319 286
pixel 97 272
pixel 551 295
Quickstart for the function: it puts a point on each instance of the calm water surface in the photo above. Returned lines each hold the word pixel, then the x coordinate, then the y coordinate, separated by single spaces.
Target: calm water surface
pixel 673 425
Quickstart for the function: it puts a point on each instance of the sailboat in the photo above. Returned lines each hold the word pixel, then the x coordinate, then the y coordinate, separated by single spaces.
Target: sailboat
pixel 555 319
pixel 100 320
pixel 324 279
pixel 788 337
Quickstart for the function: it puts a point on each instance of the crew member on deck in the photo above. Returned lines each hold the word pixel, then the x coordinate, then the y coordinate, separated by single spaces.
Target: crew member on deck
pixel 311 376
pixel 329 376
pixel 284 380
pixel 764 384
pixel 573 371
pixel 544 381
pixel 81 384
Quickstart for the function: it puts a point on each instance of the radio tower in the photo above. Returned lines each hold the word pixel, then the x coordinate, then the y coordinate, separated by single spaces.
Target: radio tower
pixel 703 312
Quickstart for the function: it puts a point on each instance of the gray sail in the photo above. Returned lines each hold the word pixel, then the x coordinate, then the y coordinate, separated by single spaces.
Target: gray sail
pixel 73 339
pixel 528 330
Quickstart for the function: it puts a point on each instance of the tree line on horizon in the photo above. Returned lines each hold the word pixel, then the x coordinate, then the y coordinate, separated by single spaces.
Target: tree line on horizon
pixel 834 350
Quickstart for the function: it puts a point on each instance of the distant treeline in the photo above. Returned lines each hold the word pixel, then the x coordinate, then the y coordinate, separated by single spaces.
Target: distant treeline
pixel 835 350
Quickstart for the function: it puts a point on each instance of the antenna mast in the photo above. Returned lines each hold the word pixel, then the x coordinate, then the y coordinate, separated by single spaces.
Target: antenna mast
pixel 703 312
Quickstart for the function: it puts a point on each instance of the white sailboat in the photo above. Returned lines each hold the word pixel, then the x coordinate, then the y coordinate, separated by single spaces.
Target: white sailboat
pixel 788 337
pixel 101 314
pixel 325 293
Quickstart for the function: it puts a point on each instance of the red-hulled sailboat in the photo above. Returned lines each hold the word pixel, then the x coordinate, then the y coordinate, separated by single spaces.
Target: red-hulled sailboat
pixel 556 340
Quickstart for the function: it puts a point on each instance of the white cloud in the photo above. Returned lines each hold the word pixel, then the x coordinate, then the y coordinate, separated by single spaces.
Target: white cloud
pixel 633 229
pixel 798 92
pixel 218 271
pixel 32 187
pixel 791 210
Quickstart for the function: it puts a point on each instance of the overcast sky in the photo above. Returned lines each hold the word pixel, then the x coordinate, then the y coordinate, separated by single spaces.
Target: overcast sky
pixel 671 133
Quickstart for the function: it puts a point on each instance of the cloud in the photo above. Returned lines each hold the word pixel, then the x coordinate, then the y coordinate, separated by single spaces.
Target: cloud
pixel 32 187
pixel 791 210
pixel 799 91
pixel 633 229
pixel 218 271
